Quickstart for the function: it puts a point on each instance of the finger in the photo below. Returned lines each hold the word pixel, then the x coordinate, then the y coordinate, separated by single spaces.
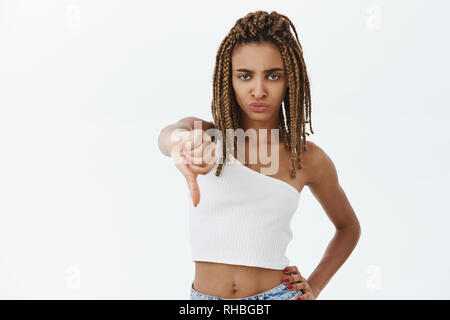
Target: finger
pixel 294 270
pixel 194 139
pixel 203 155
pixel 191 180
pixel 179 135
pixel 305 286
pixel 206 137
pixel 291 279
pixel 197 152
pixel 302 297
pixel 296 277
pixel 177 156
pixel 182 167
pixel 209 154
pixel 198 137
pixel 201 170
pixel 287 270
pixel 297 286
pixel 291 270
pixel 200 142
pixel 208 157
pixel 198 161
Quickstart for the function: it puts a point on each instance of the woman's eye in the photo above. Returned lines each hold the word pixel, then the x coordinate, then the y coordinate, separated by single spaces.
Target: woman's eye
pixel 243 75
pixel 275 76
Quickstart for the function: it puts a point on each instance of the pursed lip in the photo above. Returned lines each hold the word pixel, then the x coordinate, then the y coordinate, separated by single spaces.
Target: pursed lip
pixel 258 104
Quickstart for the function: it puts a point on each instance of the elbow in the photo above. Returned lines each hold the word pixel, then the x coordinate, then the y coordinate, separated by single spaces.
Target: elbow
pixel 357 231
pixel 353 228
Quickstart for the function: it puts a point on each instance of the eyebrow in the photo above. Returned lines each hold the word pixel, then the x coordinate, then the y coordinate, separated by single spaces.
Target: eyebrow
pixel 266 71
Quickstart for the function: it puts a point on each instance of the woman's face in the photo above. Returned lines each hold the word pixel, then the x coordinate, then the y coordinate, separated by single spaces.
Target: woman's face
pixel 259 75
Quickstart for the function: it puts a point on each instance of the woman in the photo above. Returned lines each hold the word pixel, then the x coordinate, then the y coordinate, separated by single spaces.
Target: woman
pixel 240 229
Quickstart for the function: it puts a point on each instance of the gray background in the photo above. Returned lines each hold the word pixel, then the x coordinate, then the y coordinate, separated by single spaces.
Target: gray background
pixel 89 207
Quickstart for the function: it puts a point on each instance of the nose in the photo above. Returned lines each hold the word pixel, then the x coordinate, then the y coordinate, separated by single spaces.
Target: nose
pixel 259 91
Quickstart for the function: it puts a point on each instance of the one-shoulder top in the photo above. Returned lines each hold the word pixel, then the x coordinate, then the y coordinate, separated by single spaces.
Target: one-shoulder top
pixel 243 218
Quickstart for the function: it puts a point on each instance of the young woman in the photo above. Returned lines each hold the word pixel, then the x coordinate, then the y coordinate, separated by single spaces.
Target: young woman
pixel 241 226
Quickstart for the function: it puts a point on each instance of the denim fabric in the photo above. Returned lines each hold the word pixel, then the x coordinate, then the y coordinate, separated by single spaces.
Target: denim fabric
pixel 277 293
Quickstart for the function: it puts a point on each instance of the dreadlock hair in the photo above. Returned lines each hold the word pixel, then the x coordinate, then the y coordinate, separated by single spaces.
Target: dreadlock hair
pixel 256 27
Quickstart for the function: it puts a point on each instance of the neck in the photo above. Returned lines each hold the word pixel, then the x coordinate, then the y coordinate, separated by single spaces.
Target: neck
pixel 263 129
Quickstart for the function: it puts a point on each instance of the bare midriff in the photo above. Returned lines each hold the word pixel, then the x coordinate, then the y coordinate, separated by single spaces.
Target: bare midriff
pixel 230 281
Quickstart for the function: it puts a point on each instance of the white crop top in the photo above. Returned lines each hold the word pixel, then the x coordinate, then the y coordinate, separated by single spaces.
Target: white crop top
pixel 243 217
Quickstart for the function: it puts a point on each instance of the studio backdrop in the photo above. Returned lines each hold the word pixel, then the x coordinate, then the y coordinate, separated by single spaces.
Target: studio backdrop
pixel 91 209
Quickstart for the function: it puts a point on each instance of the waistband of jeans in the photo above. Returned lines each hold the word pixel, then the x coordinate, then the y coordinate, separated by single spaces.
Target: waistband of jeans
pixel 276 289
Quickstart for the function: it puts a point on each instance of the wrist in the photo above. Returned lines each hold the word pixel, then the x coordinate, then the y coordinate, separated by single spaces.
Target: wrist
pixel 316 293
pixel 314 288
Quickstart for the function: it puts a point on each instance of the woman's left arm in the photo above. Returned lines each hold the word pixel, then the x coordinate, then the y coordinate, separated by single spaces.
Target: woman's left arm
pixel 324 185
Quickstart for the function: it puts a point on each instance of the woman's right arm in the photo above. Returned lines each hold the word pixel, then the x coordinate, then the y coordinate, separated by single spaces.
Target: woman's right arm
pixel 164 142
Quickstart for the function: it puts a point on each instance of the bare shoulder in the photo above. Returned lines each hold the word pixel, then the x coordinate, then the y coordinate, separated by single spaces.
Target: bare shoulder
pixel 319 167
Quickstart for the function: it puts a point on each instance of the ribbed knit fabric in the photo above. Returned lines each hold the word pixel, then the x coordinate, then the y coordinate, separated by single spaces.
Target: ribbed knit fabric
pixel 243 217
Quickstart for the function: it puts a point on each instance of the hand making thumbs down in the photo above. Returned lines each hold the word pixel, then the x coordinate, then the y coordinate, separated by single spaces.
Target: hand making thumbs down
pixel 193 154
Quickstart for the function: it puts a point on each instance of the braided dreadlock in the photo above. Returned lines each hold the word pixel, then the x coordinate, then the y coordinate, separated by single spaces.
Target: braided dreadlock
pixel 256 27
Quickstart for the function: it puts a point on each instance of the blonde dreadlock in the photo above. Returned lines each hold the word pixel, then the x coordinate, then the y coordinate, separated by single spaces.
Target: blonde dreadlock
pixel 256 27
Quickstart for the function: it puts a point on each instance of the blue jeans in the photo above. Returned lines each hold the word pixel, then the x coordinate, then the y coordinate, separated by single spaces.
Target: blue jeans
pixel 277 293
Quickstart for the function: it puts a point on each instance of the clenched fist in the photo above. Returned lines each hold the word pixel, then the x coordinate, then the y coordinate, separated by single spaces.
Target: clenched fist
pixel 193 153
